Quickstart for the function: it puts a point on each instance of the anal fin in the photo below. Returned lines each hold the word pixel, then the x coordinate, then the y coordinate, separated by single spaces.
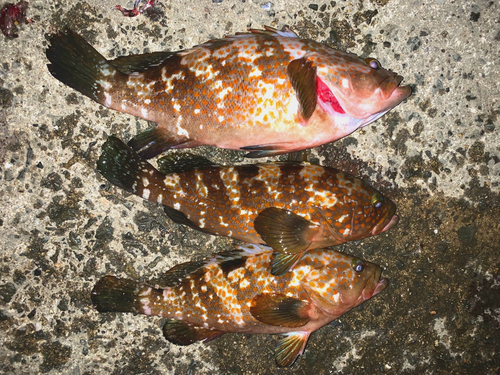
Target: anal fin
pixel 290 348
pixel 182 333
pixel 156 140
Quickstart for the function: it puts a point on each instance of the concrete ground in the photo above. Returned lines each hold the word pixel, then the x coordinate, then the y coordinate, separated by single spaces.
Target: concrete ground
pixel 437 155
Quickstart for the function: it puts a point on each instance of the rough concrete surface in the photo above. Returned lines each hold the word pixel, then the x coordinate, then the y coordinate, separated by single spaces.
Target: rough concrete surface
pixel 62 226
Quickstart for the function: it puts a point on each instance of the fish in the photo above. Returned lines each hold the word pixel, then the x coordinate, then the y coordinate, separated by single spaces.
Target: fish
pixel 234 291
pixel 265 92
pixel 293 207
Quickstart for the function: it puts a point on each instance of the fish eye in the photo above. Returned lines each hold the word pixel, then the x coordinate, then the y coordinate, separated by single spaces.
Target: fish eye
pixel 358 265
pixel 377 200
pixel 374 64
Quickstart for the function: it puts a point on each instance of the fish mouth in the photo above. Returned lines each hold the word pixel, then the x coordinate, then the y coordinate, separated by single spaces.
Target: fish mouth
pixel 394 220
pixel 382 284
pixel 369 291
pixel 391 90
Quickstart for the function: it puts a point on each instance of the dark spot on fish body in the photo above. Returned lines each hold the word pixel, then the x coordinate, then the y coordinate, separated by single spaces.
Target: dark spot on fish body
pixel 247 172
pixel 230 265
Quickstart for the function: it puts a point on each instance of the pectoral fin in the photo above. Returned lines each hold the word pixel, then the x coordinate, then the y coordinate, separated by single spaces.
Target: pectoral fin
pixel 290 348
pixel 280 310
pixel 285 231
pixel 182 333
pixel 282 263
pixel 262 151
pixel 302 73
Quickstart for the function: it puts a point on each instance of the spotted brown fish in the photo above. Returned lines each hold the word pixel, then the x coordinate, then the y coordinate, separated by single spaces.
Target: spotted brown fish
pixel 267 91
pixel 235 292
pixel 293 207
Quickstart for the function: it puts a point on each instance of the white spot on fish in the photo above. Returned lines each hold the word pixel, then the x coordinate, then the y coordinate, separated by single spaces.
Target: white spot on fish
pixel 196 111
pixel 171 180
pixel 145 193
pixel 222 222
pixel 201 223
pixel 220 118
pixel 217 84
pixel 107 102
pixel 345 83
pixel 145 182
pixel 177 206
pixel 180 129
pixel 224 92
pixel 144 112
pixel 147 101
pixel 256 72
pixel 159 199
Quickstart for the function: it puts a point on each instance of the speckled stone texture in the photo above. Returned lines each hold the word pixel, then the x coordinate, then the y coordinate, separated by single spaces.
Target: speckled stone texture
pixel 437 155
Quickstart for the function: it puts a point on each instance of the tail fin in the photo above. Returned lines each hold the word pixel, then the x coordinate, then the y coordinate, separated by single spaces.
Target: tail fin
pixel 77 64
pixel 121 166
pixel 114 294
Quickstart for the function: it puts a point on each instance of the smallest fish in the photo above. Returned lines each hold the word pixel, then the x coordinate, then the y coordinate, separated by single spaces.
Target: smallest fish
pixel 234 291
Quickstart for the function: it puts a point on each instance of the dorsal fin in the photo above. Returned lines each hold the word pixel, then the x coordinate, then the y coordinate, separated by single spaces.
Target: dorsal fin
pixel 177 274
pixel 268 30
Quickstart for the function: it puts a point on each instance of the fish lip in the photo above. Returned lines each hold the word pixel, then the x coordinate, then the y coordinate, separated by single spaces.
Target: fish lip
pixel 394 220
pixel 382 284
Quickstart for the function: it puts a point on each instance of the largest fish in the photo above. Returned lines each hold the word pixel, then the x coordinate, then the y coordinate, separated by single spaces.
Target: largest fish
pixel 293 207
pixel 235 292
pixel 268 92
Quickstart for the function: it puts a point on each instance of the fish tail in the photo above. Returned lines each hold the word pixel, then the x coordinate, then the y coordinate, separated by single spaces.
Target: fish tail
pixel 120 295
pixel 111 293
pixel 77 64
pixel 121 166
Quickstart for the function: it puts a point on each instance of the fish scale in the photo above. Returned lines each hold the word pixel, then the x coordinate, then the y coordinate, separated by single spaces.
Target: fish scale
pixel 293 207
pixel 267 91
pixel 236 292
